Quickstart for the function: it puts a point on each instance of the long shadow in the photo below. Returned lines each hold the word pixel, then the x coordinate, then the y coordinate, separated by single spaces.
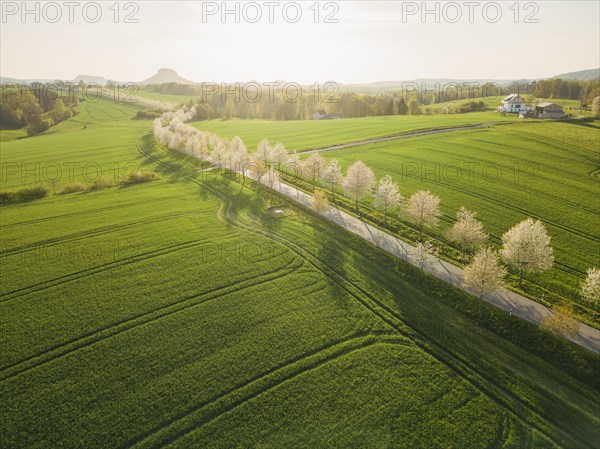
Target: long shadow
pixel 586 123
pixel 175 166
pixel 330 253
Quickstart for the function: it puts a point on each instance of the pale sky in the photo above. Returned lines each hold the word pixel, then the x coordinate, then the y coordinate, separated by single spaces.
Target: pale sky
pixel 372 41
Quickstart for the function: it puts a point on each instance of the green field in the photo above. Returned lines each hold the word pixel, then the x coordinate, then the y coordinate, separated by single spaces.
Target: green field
pixel 298 135
pixel 184 313
pixel 93 143
pixel 175 99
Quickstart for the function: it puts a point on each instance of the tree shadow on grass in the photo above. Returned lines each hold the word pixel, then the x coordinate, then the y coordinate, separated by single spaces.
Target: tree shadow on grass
pixel 168 163
pixel 587 122
pixel 330 253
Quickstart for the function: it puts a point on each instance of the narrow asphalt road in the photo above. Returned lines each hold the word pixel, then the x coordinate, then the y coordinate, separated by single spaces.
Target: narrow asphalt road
pixel 523 307
pixel 396 137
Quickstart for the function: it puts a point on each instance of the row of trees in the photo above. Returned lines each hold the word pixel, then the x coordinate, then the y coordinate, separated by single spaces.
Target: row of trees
pixel 525 247
pixel 584 91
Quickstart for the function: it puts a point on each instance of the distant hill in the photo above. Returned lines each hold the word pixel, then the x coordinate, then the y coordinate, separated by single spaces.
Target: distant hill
pixel 582 75
pixel 6 80
pixel 166 76
pixel 88 79
pixel 85 78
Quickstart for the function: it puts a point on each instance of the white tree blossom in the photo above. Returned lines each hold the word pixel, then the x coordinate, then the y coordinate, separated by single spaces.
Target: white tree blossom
pixel 256 168
pixel 319 201
pixel 484 274
pixel 312 167
pixel 272 178
pixel 219 154
pixel 590 288
pixel 279 154
pixel 264 152
pixel 467 232
pixel 526 246
pixel 237 144
pixel 561 322
pixel 387 196
pixel 423 252
pixel 332 175
pixel 423 208
pixel 359 181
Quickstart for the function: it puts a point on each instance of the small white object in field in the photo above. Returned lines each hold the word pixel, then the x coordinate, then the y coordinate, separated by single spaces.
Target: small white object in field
pixel 278 211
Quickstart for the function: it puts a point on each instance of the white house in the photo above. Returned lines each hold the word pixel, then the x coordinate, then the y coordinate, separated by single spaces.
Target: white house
pixel 514 103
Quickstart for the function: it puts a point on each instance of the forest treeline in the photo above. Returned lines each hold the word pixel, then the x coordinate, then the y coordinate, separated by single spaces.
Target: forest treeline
pixel 246 102
pixel 35 107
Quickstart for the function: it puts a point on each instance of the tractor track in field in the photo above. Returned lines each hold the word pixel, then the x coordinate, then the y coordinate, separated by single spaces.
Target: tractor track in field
pixel 259 385
pixel 508 181
pixel 488 199
pixel 443 130
pixel 77 275
pixel 90 233
pixel 62 349
pixel 405 135
pixel 321 267
pixel 471 374
pixel 85 212
pixel 482 381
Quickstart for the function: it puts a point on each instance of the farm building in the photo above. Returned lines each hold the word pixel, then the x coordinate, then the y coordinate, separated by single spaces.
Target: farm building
pixel 549 110
pixel 514 103
pixel 322 115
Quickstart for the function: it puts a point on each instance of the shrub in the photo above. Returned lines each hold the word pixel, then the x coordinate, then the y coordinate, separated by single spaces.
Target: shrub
pixel 73 187
pixel 148 114
pixel 140 176
pixel 104 182
pixel 32 193
pixel 26 194
pixel 7 197
pixel 472 106
pixel 38 125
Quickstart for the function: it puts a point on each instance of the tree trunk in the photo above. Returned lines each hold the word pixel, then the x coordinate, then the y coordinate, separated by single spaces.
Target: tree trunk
pixel 385 216
pixel 421 232
pixel 521 277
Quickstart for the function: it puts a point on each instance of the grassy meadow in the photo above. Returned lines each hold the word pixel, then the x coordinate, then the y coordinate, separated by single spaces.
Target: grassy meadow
pixel 184 313
pixel 301 135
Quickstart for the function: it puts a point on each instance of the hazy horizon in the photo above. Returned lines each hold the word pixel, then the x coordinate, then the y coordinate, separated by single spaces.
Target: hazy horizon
pixel 402 45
